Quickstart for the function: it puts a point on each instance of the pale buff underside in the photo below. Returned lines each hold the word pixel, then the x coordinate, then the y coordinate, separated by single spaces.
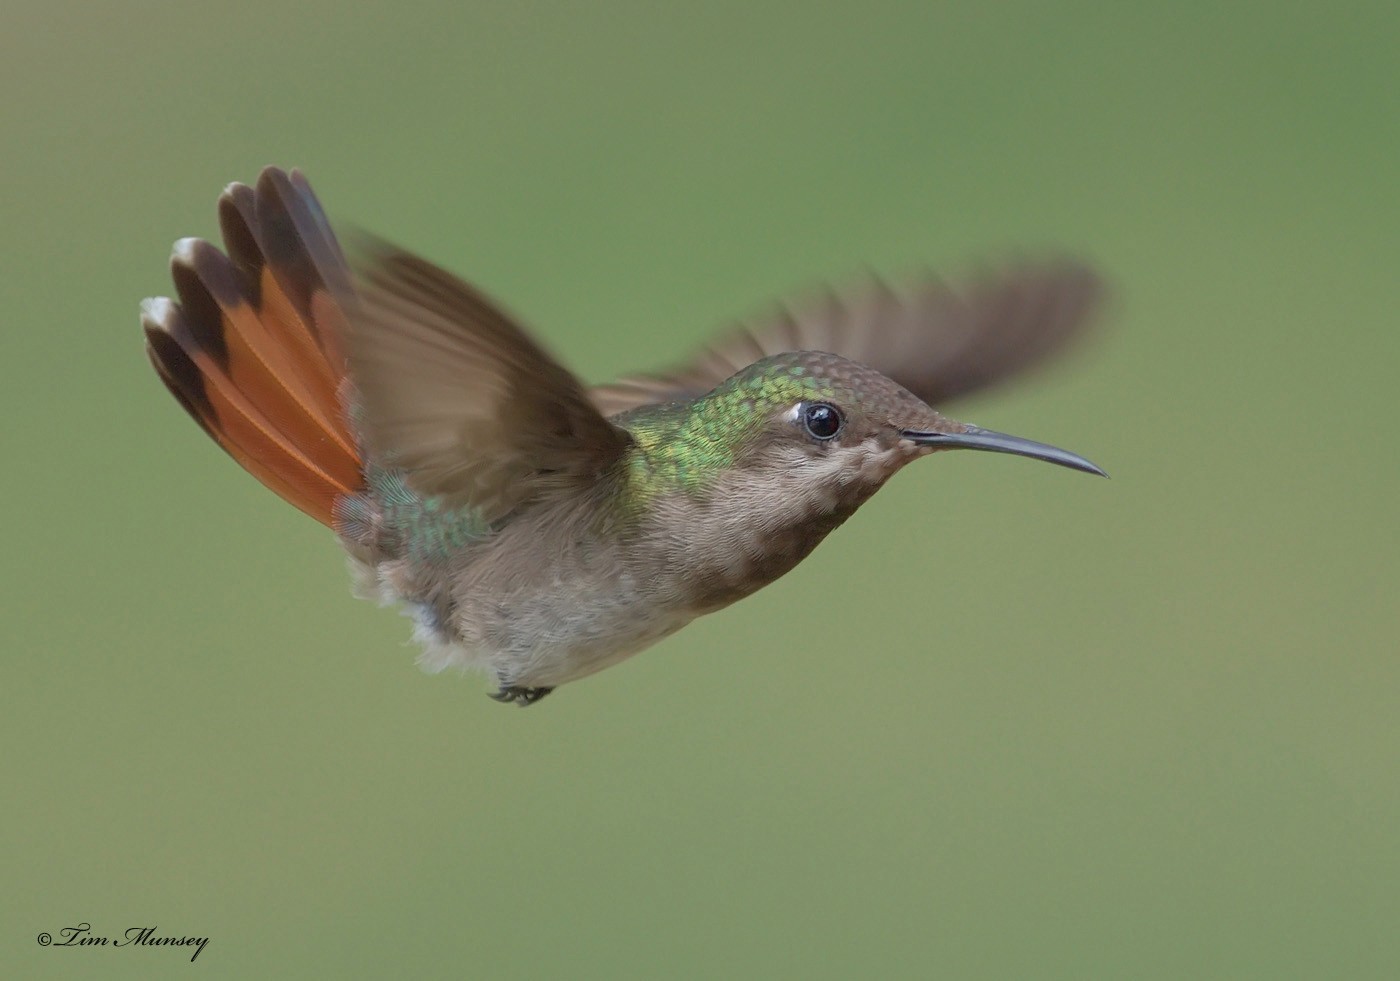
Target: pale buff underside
pixel 540 617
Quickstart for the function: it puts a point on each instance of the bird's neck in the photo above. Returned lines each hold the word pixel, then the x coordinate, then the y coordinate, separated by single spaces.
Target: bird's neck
pixel 681 447
pixel 719 518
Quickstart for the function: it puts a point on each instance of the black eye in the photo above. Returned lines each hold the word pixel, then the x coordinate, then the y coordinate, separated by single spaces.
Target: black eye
pixel 822 420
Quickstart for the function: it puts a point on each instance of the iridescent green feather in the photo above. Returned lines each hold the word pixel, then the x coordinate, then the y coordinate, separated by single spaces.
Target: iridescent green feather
pixel 684 446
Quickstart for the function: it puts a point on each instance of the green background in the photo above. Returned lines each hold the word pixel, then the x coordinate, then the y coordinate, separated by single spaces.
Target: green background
pixel 1008 722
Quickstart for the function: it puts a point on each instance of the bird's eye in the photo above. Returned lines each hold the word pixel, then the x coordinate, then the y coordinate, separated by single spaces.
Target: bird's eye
pixel 822 420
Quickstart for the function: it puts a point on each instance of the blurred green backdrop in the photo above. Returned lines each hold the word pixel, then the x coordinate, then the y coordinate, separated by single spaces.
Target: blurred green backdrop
pixel 1008 722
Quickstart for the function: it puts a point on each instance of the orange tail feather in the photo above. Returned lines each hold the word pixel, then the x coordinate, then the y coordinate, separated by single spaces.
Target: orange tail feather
pixel 251 349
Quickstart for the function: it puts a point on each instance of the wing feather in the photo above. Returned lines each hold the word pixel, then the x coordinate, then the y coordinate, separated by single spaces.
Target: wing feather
pixel 454 393
pixel 940 343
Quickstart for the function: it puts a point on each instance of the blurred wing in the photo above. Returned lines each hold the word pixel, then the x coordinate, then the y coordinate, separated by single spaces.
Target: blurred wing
pixel 455 394
pixel 938 342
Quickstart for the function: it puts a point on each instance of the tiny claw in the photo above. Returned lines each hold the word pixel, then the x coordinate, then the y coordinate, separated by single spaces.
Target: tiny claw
pixel 520 695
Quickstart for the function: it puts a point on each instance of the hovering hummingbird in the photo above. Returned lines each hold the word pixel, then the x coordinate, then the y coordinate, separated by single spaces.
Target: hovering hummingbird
pixel 533 527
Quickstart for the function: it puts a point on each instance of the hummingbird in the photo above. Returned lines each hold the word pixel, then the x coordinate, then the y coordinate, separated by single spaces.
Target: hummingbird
pixel 533 527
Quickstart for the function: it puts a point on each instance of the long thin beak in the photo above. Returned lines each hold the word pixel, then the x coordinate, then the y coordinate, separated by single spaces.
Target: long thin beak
pixel 993 442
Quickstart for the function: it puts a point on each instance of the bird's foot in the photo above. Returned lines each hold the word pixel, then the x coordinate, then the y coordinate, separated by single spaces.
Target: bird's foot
pixel 520 695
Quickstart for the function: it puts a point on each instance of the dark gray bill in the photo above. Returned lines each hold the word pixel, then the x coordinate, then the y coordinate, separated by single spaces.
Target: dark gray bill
pixel 993 442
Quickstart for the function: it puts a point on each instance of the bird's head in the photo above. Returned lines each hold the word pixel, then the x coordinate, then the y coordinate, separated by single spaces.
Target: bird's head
pixel 839 429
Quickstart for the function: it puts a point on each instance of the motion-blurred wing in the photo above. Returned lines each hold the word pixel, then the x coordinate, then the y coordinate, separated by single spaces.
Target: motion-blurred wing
pixel 455 394
pixel 938 342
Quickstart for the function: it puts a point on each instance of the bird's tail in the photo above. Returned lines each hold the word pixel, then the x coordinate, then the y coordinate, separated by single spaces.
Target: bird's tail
pixel 251 347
